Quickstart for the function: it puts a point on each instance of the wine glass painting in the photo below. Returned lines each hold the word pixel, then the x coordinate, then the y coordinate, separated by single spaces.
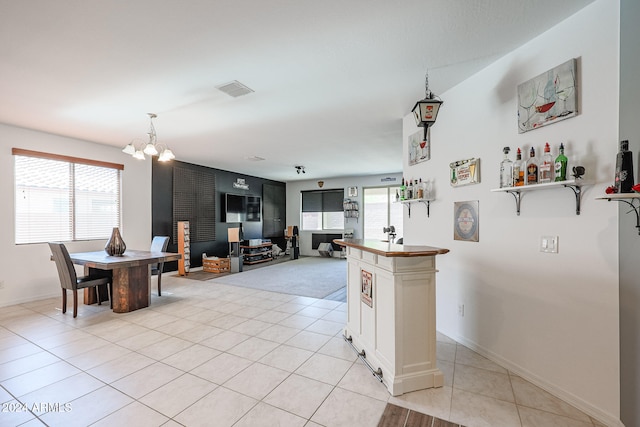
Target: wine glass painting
pixel 548 98
pixel 419 148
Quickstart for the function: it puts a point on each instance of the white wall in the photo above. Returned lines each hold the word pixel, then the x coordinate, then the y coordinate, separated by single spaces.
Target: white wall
pixel 26 270
pixel 294 202
pixel 553 318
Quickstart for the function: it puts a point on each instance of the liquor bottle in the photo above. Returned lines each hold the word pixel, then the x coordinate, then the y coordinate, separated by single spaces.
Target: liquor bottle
pixel 545 168
pixel 624 169
pixel 403 190
pixel 506 169
pixel 561 165
pixel 409 190
pixel 416 189
pixel 518 170
pixel 420 190
pixel 397 196
pixel 532 168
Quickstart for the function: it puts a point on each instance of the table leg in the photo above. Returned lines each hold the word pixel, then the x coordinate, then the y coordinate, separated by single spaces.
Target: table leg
pixel 131 288
pixel 90 296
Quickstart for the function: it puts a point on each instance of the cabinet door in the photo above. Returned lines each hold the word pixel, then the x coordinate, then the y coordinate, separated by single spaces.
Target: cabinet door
pixel 274 199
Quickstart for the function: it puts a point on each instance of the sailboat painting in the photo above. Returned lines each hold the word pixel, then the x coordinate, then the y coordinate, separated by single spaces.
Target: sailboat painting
pixel 548 98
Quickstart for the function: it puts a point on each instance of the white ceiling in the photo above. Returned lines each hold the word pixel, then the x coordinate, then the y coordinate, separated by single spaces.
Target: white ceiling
pixel 332 79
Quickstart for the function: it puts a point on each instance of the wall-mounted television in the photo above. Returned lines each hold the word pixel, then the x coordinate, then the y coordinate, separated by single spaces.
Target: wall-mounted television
pixel 240 208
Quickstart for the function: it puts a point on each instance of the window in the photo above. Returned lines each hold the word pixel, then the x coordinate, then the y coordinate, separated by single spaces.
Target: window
pixel 60 198
pixel 322 210
pixel 380 211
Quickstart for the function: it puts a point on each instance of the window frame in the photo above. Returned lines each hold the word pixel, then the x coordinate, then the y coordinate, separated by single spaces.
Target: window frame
pixel 72 215
pixel 327 206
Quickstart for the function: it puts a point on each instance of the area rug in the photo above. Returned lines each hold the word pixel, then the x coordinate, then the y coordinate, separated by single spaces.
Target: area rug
pixel 396 416
pixel 314 277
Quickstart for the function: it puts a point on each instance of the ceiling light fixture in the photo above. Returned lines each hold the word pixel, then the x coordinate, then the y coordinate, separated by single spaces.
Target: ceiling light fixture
pixel 426 110
pixel 300 169
pixel 151 147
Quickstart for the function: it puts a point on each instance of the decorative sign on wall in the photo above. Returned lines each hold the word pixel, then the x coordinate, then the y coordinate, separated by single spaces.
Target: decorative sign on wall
pixel 419 148
pixel 465 172
pixel 465 221
pixel 548 98
pixel 366 286
pixel 241 184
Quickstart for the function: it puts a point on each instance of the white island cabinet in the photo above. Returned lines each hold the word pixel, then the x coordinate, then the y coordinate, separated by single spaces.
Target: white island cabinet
pixel 391 299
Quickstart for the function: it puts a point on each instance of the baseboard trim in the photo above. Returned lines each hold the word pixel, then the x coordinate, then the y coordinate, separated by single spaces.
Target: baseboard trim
pixel 594 412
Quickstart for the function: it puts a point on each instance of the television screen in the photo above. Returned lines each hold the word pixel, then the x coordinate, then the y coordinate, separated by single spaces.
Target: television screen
pixel 235 208
pixel 239 208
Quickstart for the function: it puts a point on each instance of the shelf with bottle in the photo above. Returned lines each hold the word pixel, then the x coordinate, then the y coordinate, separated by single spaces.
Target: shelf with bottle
pixel 629 199
pixel 407 203
pixel 350 209
pixel 575 184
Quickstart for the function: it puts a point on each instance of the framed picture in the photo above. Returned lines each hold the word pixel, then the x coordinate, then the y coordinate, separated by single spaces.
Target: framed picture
pixel 466 221
pixel 464 172
pixel 352 192
pixel 419 148
pixel 366 293
pixel 548 98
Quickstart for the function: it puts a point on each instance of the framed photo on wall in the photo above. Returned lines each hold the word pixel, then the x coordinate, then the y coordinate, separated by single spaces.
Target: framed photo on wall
pixel 419 148
pixel 466 222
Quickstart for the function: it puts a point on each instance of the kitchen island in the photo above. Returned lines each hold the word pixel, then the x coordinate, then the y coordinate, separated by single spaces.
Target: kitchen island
pixel 391 300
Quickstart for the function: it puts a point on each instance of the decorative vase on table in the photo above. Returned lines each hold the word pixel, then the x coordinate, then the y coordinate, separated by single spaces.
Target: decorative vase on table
pixel 115 246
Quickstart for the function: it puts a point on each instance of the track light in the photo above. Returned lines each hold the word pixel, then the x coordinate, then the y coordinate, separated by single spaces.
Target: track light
pixel 300 169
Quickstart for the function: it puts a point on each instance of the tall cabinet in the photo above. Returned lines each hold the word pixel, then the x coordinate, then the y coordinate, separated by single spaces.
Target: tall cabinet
pixel 184 248
pixel 274 199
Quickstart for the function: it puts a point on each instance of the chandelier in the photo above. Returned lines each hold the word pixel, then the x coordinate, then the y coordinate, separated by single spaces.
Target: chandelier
pixel 151 147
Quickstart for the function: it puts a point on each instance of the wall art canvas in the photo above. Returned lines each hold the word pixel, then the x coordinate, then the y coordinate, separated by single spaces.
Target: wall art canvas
pixel 464 172
pixel 466 221
pixel 419 149
pixel 548 98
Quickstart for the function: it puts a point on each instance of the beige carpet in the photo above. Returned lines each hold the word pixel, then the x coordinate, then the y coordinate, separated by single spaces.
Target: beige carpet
pixel 314 277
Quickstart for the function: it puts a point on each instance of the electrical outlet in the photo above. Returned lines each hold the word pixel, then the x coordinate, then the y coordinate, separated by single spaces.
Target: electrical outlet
pixel 549 244
pixel 461 310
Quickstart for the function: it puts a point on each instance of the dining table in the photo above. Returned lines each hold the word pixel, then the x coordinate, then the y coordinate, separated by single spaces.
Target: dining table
pixel 130 274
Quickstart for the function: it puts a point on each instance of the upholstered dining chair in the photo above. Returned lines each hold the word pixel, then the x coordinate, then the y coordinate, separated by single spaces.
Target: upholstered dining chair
pixel 159 244
pixel 69 280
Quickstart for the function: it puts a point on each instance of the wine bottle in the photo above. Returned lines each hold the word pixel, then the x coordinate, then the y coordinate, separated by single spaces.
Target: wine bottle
pixel 403 190
pixel 518 170
pixel 532 168
pixel 561 165
pixel 506 169
pixel 545 168
pixel 624 169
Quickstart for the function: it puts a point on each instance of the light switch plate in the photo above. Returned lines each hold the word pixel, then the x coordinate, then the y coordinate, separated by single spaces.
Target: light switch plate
pixel 549 244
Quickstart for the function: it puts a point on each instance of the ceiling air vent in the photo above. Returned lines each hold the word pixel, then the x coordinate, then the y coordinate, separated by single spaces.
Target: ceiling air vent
pixel 234 89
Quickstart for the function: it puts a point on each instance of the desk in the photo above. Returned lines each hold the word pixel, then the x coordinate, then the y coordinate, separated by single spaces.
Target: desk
pixel 130 273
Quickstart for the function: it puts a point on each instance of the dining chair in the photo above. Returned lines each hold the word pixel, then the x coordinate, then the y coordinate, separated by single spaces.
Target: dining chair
pixel 159 244
pixel 69 280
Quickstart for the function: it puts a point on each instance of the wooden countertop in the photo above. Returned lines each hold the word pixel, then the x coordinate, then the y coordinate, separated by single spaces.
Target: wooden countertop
pixel 390 249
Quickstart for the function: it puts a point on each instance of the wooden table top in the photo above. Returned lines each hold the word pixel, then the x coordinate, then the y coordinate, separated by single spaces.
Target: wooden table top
pixel 131 258
pixel 388 249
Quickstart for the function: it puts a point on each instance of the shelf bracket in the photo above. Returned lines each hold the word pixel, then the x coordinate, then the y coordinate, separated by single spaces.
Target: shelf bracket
pixel 636 210
pixel 363 356
pixel 518 196
pixel 577 190
pixel 408 207
pixel 426 203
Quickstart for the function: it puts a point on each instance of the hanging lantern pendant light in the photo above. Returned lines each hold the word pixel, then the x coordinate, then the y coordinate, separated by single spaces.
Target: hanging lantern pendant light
pixel 426 110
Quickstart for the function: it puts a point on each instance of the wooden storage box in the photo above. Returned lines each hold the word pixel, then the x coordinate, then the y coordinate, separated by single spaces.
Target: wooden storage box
pixel 216 265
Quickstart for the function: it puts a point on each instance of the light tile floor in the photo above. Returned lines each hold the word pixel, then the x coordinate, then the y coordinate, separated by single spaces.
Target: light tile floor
pixel 210 354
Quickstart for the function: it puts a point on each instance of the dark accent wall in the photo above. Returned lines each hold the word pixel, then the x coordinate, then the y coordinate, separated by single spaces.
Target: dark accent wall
pixel 162 209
